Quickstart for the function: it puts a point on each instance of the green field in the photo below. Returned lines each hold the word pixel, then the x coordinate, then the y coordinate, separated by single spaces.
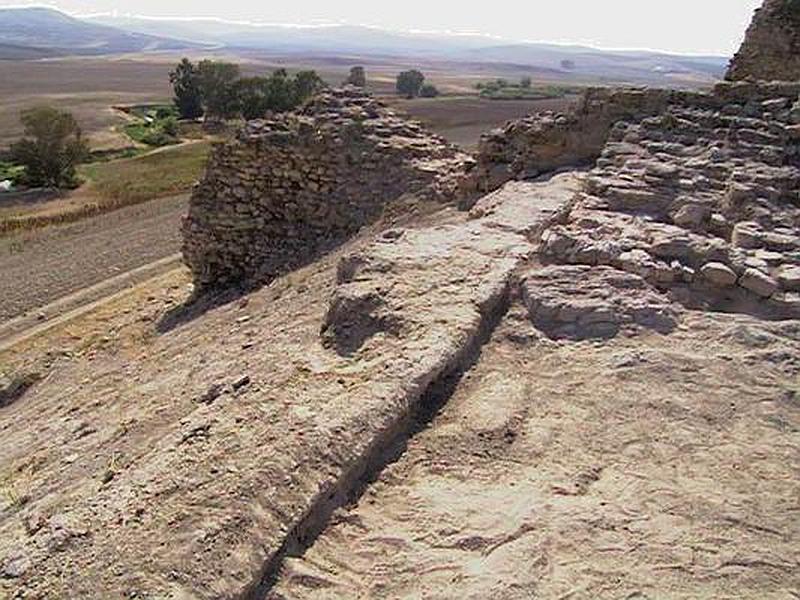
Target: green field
pixel 162 173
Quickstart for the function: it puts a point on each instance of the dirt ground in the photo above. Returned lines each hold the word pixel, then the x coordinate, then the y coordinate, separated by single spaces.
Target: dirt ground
pixel 41 266
pixel 462 120
pixel 644 467
pixel 173 450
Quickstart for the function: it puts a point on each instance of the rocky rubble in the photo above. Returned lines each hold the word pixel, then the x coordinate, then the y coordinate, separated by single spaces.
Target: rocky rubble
pixel 550 140
pixel 771 49
pixel 702 199
pixel 291 187
pixel 581 302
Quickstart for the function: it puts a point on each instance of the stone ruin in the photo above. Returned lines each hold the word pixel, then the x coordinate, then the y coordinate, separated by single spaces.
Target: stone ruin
pixel 771 49
pixel 702 199
pixel 694 192
pixel 291 187
pixel 547 141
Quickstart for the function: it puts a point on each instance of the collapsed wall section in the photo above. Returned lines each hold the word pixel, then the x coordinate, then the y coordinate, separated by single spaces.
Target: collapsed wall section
pixel 547 141
pixel 771 48
pixel 288 188
pixel 702 199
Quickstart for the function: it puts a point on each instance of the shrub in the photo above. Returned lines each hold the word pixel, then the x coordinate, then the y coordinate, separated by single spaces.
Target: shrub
pixel 51 149
pixel 428 90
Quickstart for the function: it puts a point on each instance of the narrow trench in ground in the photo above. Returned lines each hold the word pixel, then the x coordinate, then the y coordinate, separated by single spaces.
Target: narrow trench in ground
pixel 385 450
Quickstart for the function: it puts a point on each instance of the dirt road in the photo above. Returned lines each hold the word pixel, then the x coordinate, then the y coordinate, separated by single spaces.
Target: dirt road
pixel 39 267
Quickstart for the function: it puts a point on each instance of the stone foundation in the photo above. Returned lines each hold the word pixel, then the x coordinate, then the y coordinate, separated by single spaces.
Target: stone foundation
pixel 702 199
pixel 287 189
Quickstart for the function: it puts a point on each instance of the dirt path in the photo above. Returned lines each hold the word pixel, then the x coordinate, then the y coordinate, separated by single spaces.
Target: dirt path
pixel 39 267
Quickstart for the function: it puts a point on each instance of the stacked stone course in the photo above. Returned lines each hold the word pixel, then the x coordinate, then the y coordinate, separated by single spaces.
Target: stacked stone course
pixel 288 188
pixel 702 199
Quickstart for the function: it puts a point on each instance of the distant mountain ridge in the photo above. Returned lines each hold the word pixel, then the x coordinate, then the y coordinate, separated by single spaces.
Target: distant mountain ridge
pixel 582 61
pixel 35 32
pixel 43 32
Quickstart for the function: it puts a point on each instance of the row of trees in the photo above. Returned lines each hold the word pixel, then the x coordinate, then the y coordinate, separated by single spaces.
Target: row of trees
pixel 216 90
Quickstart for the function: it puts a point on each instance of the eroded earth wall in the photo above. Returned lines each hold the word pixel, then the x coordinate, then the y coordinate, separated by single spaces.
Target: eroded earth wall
pixel 771 49
pixel 293 186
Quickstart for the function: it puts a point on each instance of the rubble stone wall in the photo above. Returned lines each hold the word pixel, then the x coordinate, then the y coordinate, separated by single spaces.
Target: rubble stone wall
pixel 547 141
pixel 702 199
pixel 771 49
pixel 286 189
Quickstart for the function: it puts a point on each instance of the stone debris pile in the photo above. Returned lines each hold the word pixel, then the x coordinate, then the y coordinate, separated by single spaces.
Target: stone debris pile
pixel 288 188
pixel 548 140
pixel 703 199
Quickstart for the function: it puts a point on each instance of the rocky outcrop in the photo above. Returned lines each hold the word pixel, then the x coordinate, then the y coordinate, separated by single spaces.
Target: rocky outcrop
pixel 702 199
pixel 547 141
pixel 286 189
pixel 581 302
pixel 771 49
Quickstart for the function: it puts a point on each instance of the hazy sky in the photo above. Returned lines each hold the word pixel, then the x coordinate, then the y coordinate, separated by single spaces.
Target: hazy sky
pixel 686 26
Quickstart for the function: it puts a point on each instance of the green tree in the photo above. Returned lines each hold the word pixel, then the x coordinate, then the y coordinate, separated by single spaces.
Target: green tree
pixel 51 147
pixel 409 83
pixel 281 94
pixel 186 87
pixel 428 90
pixel 251 94
pixel 357 77
pixel 525 82
pixel 306 84
pixel 217 80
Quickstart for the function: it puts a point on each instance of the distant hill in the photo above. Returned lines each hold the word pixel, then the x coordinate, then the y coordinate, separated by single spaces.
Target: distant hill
pixel 40 32
pixel 563 62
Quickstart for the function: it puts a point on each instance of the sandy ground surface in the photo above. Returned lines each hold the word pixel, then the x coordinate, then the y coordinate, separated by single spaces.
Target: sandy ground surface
pixel 41 266
pixel 195 451
pixel 647 466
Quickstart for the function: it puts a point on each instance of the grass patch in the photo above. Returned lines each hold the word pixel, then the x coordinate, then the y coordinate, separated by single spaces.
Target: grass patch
pixel 11 171
pixel 115 184
pixel 501 89
pixel 155 124
pixel 164 173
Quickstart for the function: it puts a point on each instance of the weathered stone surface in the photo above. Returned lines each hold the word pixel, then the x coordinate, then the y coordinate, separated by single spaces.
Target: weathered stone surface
pixel 758 282
pixel 580 302
pixel 290 188
pixel 789 277
pixel 771 49
pixel 718 274
pixel 386 290
pixel 696 188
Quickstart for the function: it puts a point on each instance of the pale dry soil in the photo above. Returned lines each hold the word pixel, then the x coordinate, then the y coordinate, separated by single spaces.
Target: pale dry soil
pixel 40 266
pixel 166 453
pixel 648 466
